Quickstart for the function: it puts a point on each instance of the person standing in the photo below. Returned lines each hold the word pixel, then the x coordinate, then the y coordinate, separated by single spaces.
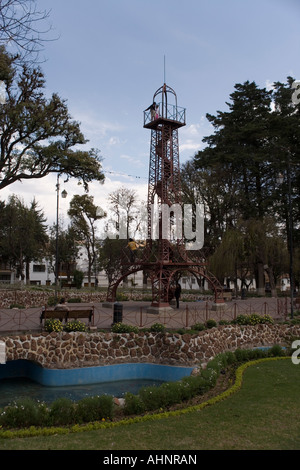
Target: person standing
pixel 177 294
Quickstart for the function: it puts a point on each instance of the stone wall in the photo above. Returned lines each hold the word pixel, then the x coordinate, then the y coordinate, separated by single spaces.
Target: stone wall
pixel 71 350
pixel 37 298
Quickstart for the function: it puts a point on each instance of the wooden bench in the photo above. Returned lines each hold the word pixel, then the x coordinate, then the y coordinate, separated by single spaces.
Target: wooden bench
pixel 71 314
pixel 87 312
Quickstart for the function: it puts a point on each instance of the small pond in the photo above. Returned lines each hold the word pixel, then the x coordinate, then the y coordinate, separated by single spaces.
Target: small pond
pixel 21 379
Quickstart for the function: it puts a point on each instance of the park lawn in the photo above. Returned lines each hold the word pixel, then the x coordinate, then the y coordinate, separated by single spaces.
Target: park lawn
pixel 262 415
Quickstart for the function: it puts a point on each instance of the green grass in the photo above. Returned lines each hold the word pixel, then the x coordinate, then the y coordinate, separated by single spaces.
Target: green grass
pixel 262 415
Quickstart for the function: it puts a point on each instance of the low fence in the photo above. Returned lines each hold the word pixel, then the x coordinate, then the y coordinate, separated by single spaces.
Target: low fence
pixel 16 320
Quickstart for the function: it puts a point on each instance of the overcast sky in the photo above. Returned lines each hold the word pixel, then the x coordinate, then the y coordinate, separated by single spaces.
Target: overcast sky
pixel 108 61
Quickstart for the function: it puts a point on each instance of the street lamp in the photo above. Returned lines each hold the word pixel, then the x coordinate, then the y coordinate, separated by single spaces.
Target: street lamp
pixel 63 195
pixel 290 234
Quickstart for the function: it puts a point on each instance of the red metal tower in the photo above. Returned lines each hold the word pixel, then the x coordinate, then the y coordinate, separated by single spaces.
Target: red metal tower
pixel 165 255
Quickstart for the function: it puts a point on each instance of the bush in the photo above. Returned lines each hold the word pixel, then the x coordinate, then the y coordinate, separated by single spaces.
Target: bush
pixel 252 319
pixel 52 301
pixel 78 278
pixel 62 412
pixel 276 351
pixel 123 328
pixel 53 325
pixel 210 323
pixel 94 409
pixel 23 413
pixel 75 325
pixel 157 328
pixel 20 306
pixel 224 322
pixel 198 327
pixel 133 404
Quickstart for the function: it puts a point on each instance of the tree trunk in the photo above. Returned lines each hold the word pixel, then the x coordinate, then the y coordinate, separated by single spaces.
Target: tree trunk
pixel 269 271
pixel 260 279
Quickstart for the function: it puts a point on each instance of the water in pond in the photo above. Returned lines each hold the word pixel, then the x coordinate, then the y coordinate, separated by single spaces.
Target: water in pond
pixel 12 389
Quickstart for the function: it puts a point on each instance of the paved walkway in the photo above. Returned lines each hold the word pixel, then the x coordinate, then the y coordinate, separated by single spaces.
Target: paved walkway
pixel 135 313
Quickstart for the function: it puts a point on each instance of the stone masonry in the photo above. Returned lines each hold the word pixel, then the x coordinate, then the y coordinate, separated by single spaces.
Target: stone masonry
pixel 72 350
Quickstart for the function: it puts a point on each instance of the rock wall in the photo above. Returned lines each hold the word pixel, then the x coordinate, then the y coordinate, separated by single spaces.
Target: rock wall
pixel 37 298
pixel 71 350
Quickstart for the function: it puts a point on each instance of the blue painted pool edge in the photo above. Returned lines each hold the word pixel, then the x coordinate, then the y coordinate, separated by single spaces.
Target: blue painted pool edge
pixel 92 375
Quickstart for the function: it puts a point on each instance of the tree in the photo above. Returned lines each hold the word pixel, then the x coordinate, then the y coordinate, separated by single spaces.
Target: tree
pixel 84 215
pixel 258 138
pixel 23 235
pixel 123 205
pixel 110 256
pixel 38 134
pixel 22 26
pixel 68 249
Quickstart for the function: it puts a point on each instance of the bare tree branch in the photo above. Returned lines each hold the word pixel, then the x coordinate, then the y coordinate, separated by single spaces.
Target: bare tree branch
pixel 24 28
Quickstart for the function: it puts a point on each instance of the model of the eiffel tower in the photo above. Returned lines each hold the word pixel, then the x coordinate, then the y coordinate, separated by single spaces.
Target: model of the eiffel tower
pixel 164 257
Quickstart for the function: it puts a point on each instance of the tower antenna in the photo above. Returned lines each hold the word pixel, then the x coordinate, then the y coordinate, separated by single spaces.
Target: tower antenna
pixel 164 69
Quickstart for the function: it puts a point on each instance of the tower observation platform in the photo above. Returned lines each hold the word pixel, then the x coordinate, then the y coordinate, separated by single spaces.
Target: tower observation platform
pixel 162 111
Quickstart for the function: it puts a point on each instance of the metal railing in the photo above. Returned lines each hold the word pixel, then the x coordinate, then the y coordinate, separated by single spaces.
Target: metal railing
pixel 16 320
pixel 170 112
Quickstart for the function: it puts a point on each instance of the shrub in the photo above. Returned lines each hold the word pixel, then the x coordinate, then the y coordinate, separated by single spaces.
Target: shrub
pixel 75 325
pixel 157 328
pixel 94 408
pixel 123 328
pixel 62 412
pixel 74 300
pixel 252 319
pixel 133 404
pixel 210 323
pixel 23 413
pixel 52 301
pixel 53 324
pixel 276 351
pixel 20 306
pixel 78 278
pixel 224 322
pixel 198 327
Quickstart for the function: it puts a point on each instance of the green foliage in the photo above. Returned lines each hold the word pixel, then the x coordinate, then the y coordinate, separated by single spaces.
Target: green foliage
pixel 43 126
pixel 94 409
pixel 62 412
pixel 75 325
pixel 123 328
pixel 133 404
pixel 23 413
pixel 210 323
pixel 253 319
pixel 52 301
pixel 157 328
pixel 78 278
pixel 52 324
pixel 198 327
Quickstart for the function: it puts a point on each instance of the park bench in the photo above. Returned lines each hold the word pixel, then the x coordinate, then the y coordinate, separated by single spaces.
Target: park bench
pixel 71 314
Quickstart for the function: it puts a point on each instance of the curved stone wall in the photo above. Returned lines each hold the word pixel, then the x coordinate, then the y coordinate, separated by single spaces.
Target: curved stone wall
pixel 72 350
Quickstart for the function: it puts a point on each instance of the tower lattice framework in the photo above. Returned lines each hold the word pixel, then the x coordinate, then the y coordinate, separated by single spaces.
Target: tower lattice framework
pixel 165 257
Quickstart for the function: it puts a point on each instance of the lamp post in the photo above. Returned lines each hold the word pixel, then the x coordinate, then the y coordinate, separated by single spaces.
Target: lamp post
pixel 63 195
pixel 290 231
